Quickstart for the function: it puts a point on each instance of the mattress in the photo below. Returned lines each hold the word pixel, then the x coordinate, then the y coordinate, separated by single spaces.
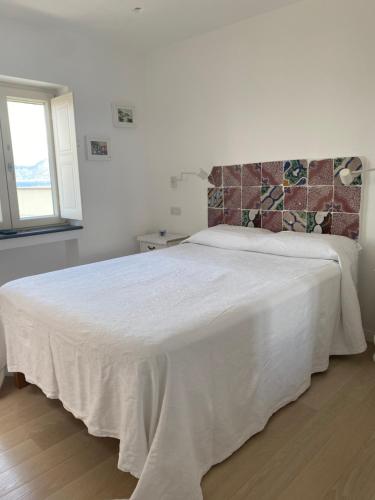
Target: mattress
pixel 182 354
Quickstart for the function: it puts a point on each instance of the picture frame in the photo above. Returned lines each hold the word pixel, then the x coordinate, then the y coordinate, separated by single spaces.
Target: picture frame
pixel 98 148
pixel 123 115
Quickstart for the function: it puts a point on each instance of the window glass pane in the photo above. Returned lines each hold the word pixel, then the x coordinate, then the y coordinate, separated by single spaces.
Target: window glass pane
pixel 31 162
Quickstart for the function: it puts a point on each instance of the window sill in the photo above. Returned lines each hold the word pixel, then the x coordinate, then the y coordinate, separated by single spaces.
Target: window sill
pixel 37 236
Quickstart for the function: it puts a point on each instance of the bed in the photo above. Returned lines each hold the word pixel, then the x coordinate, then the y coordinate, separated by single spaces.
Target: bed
pixel 183 354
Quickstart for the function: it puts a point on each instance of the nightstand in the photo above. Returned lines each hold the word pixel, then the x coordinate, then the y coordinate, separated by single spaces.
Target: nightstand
pixel 154 241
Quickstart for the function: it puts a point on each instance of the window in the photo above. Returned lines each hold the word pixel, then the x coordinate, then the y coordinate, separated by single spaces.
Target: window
pixel 39 181
pixel 31 141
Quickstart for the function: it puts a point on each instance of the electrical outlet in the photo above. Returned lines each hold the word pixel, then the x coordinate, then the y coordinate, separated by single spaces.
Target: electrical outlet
pixel 175 210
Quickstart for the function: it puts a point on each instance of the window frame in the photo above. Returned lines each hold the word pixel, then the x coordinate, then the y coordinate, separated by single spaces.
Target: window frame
pixel 9 205
pixel 5 219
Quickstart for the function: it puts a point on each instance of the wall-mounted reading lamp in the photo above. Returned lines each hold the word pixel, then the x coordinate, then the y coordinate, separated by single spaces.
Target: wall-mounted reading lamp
pixel 202 174
pixel 347 176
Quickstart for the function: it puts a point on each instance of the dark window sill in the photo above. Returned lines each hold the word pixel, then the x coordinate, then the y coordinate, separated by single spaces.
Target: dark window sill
pixel 21 233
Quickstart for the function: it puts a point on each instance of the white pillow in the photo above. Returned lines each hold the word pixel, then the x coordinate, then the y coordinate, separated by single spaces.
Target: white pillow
pixel 237 229
pixel 231 237
pixel 318 246
pixel 285 243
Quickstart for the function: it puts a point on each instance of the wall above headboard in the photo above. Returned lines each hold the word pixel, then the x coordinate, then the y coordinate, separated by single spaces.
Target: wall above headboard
pixel 289 195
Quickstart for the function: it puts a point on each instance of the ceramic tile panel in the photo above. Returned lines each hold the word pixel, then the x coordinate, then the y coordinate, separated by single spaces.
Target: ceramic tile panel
pixel 272 173
pixel 321 173
pixel 353 163
pixel 216 176
pixel 232 197
pixel 232 175
pixel 295 198
pixel 233 216
pixel 272 198
pixel 215 217
pixel 294 221
pixel 320 198
pixel 251 218
pixel 346 225
pixel 273 221
pixel 295 172
pixel 215 198
pixel 347 199
pixel 289 195
pixel 319 222
pixel 251 174
pixel 251 197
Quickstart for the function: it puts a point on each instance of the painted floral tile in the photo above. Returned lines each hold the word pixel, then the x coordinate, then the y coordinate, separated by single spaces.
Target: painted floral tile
pixel 251 197
pixel 346 225
pixel 295 172
pixel 232 175
pixel 295 198
pixel 232 197
pixel 320 199
pixel 319 222
pixel 353 164
pixel 294 221
pixel 272 221
pixel 215 216
pixel 347 199
pixel 272 173
pixel 251 174
pixel 232 217
pixel 289 195
pixel 215 198
pixel 216 176
pixel 321 173
pixel 251 218
pixel 272 198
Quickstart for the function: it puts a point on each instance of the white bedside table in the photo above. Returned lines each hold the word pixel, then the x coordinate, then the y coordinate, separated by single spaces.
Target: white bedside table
pixel 154 241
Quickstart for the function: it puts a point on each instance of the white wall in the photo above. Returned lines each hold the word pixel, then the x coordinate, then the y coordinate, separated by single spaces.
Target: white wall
pixel 295 83
pixel 114 193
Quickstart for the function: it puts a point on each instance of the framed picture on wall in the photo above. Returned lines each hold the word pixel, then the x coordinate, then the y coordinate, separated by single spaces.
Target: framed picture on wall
pixel 123 115
pixel 98 148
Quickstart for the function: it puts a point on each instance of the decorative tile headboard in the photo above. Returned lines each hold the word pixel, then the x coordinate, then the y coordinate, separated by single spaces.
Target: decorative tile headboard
pixel 291 195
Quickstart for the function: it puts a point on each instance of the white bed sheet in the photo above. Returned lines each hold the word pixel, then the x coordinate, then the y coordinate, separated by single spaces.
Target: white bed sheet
pixel 181 354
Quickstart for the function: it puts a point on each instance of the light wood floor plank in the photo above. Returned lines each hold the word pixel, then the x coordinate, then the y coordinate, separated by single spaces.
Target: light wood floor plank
pixel 224 478
pixel 18 454
pixel 326 384
pixel 18 417
pixel 80 460
pixel 336 454
pixel 34 429
pixel 11 400
pixel 357 481
pixel 103 482
pixel 290 460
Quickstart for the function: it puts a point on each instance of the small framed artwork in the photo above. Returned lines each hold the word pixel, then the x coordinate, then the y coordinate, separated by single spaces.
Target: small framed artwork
pixel 123 115
pixel 98 148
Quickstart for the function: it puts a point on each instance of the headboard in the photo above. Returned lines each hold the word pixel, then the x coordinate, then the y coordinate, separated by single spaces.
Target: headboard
pixel 289 195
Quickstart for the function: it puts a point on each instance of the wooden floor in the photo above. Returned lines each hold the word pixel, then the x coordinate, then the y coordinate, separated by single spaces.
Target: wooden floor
pixel 321 447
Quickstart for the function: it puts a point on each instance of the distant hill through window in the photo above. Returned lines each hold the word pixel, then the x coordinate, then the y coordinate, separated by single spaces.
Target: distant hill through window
pixel 33 176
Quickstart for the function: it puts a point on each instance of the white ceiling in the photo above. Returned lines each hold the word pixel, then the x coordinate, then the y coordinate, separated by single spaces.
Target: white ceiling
pixel 161 22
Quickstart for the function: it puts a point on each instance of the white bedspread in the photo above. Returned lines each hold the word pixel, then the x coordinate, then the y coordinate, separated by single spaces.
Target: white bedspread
pixel 185 353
